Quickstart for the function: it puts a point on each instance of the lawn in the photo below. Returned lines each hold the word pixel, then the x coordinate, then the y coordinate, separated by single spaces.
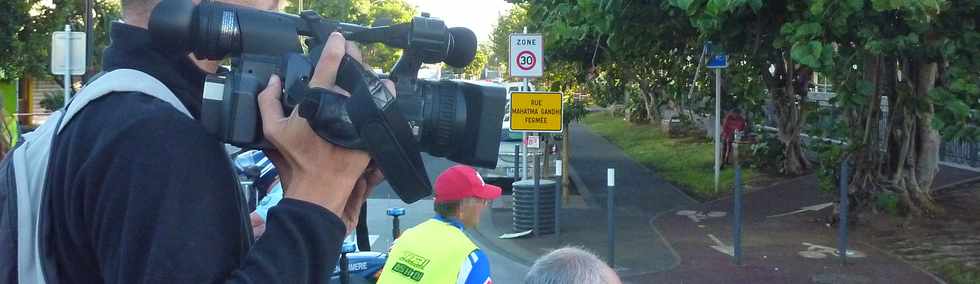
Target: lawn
pixel 957 273
pixel 686 162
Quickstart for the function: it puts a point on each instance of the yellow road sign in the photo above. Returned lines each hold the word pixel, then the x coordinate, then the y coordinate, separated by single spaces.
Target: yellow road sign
pixel 536 111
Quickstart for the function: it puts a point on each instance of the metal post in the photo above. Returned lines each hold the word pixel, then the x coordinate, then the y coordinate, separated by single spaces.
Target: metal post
pixel 344 264
pixel 517 161
pixel 717 126
pixel 558 192
pixel 361 230
pixel 543 148
pixel 842 233
pixel 537 194
pixel 611 205
pixel 89 53
pixel 524 171
pixel 737 234
pixel 395 228
pixel 67 78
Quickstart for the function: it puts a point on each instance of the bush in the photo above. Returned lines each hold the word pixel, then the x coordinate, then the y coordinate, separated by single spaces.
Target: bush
pixel 637 114
pixel 768 154
pixel 5 135
pixel 828 165
pixel 53 101
pixel 887 202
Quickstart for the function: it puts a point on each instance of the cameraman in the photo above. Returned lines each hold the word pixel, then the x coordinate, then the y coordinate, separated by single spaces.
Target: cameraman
pixel 137 192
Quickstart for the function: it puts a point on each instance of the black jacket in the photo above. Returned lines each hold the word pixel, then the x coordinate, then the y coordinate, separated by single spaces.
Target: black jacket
pixel 139 193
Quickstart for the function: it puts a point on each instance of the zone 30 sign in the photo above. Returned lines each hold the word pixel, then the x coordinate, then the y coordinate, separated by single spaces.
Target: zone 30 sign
pixel 526 55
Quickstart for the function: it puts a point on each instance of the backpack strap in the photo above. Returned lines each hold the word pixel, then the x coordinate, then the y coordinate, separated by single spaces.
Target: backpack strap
pixel 31 161
pixel 121 80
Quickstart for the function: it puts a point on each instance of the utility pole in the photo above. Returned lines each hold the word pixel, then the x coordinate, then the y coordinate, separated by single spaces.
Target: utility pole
pixel 89 52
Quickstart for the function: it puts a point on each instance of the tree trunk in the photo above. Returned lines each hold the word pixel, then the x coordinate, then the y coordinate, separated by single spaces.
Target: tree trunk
pixel 789 116
pixel 863 136
pixel 911 156
pixel 650 101
pixel 913 146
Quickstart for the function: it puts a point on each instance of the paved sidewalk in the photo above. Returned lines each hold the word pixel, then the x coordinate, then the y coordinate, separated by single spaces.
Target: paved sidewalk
pixel 664 236
pixel 797 248
pixel 640 195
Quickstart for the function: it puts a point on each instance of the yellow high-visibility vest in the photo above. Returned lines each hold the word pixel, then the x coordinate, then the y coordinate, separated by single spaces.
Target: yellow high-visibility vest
pixel 432 252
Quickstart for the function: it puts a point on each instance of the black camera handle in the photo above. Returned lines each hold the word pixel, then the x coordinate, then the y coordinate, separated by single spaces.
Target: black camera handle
pixel 367 120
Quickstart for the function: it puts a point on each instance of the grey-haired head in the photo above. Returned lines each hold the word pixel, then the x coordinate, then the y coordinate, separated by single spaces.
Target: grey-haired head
pixel 570 265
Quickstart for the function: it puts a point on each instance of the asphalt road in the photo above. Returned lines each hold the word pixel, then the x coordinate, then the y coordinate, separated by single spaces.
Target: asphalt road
pixel 433 167
pixel 503 269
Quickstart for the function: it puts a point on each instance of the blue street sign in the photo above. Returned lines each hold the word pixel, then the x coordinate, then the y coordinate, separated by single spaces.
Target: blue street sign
pixel 718 61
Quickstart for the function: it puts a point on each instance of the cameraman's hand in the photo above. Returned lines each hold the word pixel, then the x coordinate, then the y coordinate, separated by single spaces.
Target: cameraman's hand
pixel 311 168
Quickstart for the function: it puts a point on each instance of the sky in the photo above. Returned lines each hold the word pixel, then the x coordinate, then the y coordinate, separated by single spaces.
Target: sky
pixel 477 15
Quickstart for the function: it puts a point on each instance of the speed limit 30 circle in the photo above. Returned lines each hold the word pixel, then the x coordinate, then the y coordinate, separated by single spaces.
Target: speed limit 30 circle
pixel 526 60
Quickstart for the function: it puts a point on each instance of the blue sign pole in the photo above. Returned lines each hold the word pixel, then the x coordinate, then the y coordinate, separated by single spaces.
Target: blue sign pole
pixel 717 61
pixel 737 234
pixel 842 233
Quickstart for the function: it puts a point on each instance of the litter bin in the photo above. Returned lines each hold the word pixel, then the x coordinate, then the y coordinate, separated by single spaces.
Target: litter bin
pixel 524 205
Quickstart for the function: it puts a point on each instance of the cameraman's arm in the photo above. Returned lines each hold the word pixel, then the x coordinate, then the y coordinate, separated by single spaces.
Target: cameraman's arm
pixel 316 176
pixel 166 212
pixel 164 215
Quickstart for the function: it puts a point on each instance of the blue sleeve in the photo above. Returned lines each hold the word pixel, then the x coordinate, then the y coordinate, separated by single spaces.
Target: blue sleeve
pixel 476 268
pixel 269 201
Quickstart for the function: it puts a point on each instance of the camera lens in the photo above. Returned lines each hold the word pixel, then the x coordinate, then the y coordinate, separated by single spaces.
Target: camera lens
pixel 219 31
pixel 451 115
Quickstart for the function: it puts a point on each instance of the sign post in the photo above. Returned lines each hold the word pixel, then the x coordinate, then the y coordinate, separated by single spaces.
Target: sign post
pixel 842 228
pixel 558 173
pixel 526 54
pixel 611 213
pixel 67 56
pixel 737 234
pixel 717 61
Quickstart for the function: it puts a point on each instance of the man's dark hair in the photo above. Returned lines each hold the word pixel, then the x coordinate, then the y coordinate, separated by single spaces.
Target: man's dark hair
pixel 447 209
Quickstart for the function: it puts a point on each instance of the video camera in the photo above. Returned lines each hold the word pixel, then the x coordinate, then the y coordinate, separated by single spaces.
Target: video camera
pixel 453 119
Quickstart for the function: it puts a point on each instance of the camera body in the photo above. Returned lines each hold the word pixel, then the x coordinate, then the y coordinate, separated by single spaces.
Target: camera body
pixel 458 120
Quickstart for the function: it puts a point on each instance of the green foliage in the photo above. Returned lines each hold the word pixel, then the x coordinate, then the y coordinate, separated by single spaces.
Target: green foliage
pixel 686 162
pixel 351 11
pixel 13 16
pixel 887 202
pixel 574 110
pixel 513 22
pixel 28 36
pixel 7 132
pixel 364 12
pixel 767 153
pixel 53 101
pixel 957 273
pixel 475 69
pixel 828 165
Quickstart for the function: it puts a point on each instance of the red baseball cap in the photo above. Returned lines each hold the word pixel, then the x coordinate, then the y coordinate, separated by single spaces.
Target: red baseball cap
pixel 460 182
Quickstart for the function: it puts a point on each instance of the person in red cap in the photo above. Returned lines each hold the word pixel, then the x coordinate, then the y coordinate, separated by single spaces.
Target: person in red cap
pixel 438 250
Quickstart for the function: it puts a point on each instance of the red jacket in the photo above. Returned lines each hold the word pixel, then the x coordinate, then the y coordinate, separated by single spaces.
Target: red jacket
pixel 733 122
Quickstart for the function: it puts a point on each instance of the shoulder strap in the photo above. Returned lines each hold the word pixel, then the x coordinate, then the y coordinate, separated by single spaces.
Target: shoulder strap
pixel 121 80
pixel 31 161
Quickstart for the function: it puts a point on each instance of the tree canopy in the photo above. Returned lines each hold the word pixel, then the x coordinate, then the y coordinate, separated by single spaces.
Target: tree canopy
pixel 904 64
